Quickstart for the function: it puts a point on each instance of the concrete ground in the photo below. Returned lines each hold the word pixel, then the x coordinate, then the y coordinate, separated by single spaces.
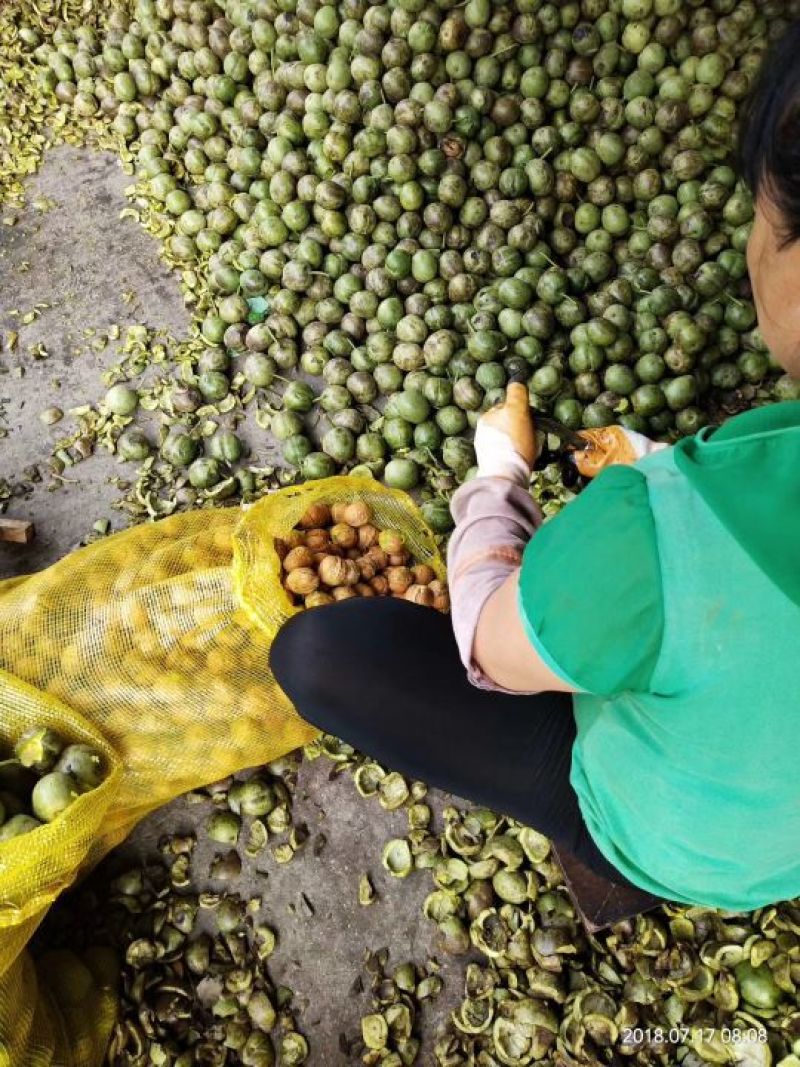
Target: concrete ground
pixel 69 250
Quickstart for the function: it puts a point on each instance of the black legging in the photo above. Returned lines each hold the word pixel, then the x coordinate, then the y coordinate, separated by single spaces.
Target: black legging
pixel 385 676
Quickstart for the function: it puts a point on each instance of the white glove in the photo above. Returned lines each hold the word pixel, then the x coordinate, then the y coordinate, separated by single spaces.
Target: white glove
pixel 497 457
pixel 642 446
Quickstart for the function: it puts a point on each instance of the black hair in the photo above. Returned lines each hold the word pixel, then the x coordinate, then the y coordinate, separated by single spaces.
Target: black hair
pixel 769 134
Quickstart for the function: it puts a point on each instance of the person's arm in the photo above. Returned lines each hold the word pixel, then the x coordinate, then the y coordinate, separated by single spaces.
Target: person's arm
pixel 504 651
pixel 495 519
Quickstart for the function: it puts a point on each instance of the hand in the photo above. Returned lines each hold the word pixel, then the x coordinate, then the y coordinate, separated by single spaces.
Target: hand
pixel 515 420
pixel 505 439
pixel 611 445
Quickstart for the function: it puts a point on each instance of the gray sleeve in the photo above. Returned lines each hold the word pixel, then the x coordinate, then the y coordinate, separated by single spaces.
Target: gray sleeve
pixel 495 518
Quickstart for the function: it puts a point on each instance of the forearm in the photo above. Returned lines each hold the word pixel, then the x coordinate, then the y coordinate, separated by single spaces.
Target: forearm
pixel 495 518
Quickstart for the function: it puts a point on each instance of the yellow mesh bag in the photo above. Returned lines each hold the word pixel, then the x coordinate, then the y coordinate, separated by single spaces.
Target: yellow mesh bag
pixel 153 645
pixel 257 569
pixel 33 871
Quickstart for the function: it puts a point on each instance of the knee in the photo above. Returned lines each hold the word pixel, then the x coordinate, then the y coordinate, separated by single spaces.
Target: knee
pixel 295 654
pixel 310 661
pixel 326 659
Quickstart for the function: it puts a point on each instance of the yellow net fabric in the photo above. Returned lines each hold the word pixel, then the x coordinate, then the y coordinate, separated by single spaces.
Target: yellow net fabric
pixel 257 568
pixel 152 645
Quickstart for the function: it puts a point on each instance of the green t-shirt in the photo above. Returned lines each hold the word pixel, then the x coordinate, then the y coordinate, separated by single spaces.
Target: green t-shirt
pixel 668 596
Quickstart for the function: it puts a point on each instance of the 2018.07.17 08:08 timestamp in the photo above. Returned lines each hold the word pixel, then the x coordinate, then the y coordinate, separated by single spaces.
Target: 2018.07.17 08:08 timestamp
pixel 680 1035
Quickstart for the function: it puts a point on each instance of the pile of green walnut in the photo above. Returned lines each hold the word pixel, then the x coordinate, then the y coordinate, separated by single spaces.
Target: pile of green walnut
pixel 44 778
pixel 383 211
pixel 380 213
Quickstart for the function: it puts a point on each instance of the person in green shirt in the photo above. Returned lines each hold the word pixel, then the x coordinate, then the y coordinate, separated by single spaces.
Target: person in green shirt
pixel 633 679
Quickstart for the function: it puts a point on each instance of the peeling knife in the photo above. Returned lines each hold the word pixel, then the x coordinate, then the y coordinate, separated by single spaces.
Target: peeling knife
pixel 568 438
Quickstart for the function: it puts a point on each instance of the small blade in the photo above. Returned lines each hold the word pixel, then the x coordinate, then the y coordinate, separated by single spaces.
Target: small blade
pixel 552 426
pixel 567 436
